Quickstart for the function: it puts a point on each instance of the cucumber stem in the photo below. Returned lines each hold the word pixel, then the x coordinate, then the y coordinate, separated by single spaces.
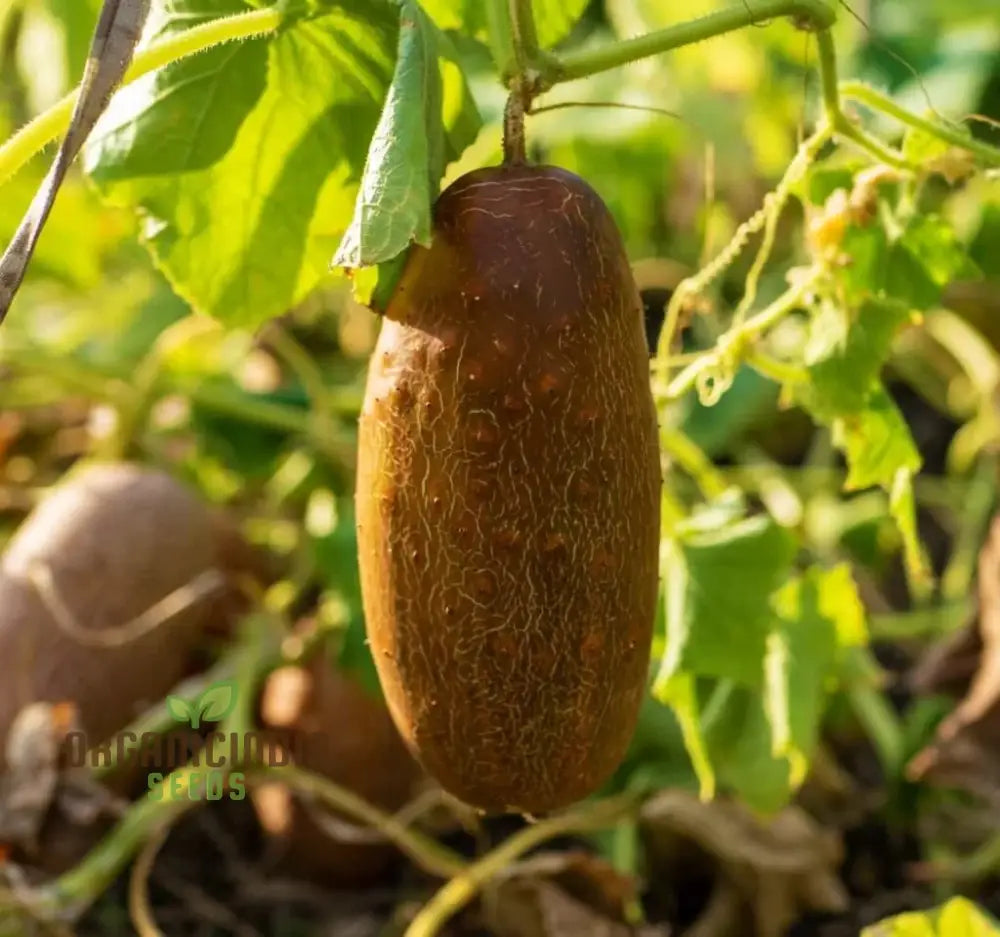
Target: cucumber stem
pixel 514 150
pixel 524 35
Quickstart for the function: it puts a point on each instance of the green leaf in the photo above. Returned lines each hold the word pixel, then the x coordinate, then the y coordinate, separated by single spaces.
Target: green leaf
pixel 819 613
pixel 718 590
pixel 864 275
pixel 776 644
pixel 678 693
pixel 958 918
pixel 760 742
pixel 657 755
pixel 925 259
pixel 181 710
pixel 876 442
pixel 739 737
pixel 909 269
pixel 846 351
pixel 410 147
pixel 245 161
pixel 553 18
pixel 218 701
pixel 903 509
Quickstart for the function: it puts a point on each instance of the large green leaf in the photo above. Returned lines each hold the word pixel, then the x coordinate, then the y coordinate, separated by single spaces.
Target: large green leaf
pixel 905 264
pixel 925 258
pixel 738 733
pixel 846 351
pixel 245 161
pixel 719 586
pixel 752 655
pixel 845 354
pixel 759 742
pixel 819 613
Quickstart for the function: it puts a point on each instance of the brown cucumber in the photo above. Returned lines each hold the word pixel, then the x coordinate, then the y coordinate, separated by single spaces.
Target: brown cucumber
pixel 348 737
pixel 114 540
pixel 508 493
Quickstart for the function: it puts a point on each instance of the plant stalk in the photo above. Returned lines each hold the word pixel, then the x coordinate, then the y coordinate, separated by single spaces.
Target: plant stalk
pixel 590 61
pixel 464 886
pixel 835 116
pixel 859 91
pixel 524 35
pixel 740 338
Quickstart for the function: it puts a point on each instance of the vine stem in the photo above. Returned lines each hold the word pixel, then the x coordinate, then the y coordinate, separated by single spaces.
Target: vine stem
pixel 738 338
pixel 835 115
pixel 427 853
pixel 590 61
pixel 859 91
pixel 75 890
pixel 763 218
pixel 462 888
pixel 796 171
pixel 524 35
pixel 818 13
pixel 31 138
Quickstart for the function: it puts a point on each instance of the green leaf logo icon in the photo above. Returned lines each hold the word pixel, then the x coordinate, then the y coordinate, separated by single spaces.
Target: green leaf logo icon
pixel 217 702
pixel 181 710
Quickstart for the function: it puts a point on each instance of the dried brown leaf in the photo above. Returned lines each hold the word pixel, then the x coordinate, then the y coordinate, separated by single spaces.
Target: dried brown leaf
pixel 778 867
